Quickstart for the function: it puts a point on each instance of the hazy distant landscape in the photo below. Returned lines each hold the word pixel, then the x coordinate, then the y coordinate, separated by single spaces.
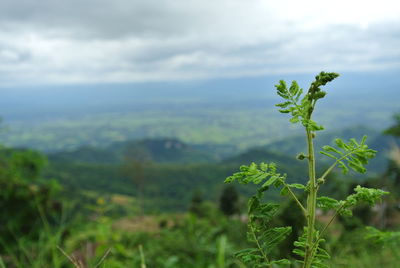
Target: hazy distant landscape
pixel 238 113
pixel 219 125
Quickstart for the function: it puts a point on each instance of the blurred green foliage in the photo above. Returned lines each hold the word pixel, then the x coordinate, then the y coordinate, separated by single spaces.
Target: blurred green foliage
pixel 26 200
pixel 97 209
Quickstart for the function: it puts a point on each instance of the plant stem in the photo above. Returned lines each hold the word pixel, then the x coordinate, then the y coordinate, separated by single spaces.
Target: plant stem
pixel 295 199
pixel 327 225
pixel 103 258
pixel 258 244
pixel 71 259
pixel 326 173
pixel 311 201
pixel 142 259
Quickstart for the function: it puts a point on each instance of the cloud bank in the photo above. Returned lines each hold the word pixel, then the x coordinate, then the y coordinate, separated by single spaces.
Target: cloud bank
pixel 95 41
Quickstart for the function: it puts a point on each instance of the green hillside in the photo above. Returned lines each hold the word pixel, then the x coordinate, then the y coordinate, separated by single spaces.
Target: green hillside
pixel 167 170
pixel 161 150
pixel 170 170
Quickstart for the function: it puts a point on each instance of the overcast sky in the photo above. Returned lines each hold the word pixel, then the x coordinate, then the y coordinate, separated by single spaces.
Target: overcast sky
pixel 95 41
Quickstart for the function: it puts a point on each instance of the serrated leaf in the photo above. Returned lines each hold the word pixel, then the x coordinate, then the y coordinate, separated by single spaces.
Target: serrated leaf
pixel 341 144
pixel 298 95
pixel 270 181
pixel 328 148
pixel 297 186
pixel 263 166
pixel 274 236
pixel 279 183
pixel 229 179
pixel 363 140
pixel 311 125
pixel 299 244
pixel 284 191
pixel 344 168
pixel 283 95
pixel 281 262
pixel 246 251
pixel 320 265
pixel 299 252
pixel 254 203
pixel 328 154
pixel 260 177
pixel 362 158
pixel 283 104
pixel 325 202
pixel 322 254
pixel 294 88
pixel 354 142
pixel 356 167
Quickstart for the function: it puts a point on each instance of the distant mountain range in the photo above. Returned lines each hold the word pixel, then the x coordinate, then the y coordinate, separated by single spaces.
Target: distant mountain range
pixel 165 150
pixel 172 150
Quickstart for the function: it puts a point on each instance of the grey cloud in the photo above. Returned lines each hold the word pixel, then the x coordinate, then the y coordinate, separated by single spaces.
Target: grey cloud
pixel 11 55
pixel 101 18
pixel 78 41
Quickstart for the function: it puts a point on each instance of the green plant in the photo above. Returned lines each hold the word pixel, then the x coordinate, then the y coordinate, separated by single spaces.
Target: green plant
pixel 346 155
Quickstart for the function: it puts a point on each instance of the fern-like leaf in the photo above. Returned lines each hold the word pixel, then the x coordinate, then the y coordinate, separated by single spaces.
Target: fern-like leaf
pixel 353 154
pixel 320 255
